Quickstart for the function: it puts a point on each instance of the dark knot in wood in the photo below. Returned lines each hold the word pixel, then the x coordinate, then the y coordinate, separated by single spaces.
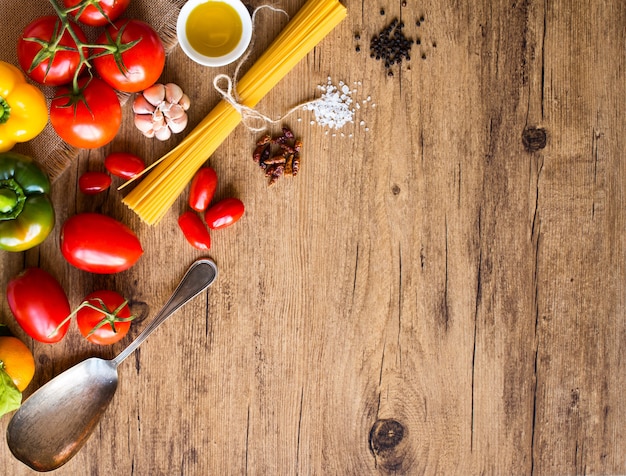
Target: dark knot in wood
pixel 534 138
pixel 386 443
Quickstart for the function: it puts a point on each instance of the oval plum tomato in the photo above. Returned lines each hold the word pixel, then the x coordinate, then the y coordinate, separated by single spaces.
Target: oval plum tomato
pixel 43 58
pixel 93 182
pixel 138 60
pixel 99 244
pixel 195 230
pixel 17 360
pixel 224 213
pixel 39 305
pixel 104 317
pixel 96 12
pixel 202 189
pixel 124 164
pixel 89 119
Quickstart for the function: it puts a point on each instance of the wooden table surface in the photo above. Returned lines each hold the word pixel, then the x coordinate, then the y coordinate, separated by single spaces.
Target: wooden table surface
pixel 439 291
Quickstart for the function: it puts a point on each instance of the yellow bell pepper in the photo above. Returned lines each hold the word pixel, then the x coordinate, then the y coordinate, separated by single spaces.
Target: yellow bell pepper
pixel 23 108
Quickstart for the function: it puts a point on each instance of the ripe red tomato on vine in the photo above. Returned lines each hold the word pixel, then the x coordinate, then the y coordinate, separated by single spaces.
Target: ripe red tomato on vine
pixel 104 317
pixel 134 57
pixel 48 54
pixel 89 118
pixel 98 13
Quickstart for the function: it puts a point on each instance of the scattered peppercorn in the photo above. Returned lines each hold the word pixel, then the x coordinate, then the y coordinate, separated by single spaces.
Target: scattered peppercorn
pixel 358 48
pixel 390 45
pixel 382 11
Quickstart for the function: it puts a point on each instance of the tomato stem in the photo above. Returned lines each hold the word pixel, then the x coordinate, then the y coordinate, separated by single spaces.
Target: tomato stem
pixel 110 317
pixel 84 60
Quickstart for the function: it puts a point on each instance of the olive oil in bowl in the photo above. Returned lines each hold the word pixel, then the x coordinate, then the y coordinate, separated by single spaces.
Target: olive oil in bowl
pixel 214 32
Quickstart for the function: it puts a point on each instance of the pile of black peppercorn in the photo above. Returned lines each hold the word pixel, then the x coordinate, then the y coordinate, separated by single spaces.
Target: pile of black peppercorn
pixel 391 46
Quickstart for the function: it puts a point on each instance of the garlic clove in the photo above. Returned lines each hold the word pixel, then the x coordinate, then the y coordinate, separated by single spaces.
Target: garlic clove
pixel 184 102
pixel 173 93
pixel 142 106
pixel 175 111
pixel 155 94
pixel 178 124
pixel 163 133
pixel 143 122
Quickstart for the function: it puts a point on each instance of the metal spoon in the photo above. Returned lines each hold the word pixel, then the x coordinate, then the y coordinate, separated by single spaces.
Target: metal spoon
pixel 55 421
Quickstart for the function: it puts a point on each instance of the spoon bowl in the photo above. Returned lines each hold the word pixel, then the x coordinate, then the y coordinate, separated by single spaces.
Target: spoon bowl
pixel 56 421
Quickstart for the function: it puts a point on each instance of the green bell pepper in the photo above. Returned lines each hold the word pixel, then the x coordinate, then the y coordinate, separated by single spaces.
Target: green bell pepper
pixel 26 212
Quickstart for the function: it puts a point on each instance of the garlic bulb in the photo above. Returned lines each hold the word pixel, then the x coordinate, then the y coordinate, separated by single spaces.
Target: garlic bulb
pixel 161 110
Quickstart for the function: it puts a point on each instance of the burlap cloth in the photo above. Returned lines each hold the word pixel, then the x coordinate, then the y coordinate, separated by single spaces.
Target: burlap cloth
pixel 52 154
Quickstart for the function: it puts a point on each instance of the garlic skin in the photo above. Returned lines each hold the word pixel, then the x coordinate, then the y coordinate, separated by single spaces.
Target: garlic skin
pixel 161 110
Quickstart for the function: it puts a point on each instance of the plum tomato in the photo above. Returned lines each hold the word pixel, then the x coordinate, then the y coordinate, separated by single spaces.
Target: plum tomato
pixel 224 213
pixel 44 57
pixel 124 164
pixel 99 244
pixel 96 12
pixel 39 305
pixel 202 189
pixel 139 59
pixel 89 119
pixel 195 230
pixel 104 317
pixel 93 182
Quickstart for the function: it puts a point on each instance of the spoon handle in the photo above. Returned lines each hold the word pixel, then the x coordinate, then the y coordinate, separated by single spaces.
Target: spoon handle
pixel 198 277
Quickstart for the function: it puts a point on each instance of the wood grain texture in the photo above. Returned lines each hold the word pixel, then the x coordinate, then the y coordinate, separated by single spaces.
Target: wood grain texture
pixel 440 290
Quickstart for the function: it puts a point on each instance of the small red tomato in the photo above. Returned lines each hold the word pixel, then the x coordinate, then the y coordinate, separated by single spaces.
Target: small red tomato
pixel 104 317
pixel 99 244
pixel 224 213
pixel 39 305
pixel 124 164
pixel 202 189
pixel 93 182
pixel 194 230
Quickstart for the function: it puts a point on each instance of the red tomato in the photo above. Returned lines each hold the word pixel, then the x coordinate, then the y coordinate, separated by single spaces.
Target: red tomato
pixel 42 58
pixel 99 244
pixel 106 324
pixel 93 182
pixel 124 164
pixel 140 58
pixel 39 305
pixel 224 213
pixel 98 12
pixel 202 189
pixel 194 230
pixel 90 119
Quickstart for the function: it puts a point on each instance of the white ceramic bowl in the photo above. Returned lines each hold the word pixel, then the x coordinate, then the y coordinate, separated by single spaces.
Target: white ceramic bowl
pixel 244 41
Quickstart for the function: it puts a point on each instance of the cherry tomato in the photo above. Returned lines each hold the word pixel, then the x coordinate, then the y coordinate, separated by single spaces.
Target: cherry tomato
pixel 42 58
pixel 202 189
pixel 90 119
pixel 224 213
pixel 140 58
pixel 93 182
pixel 124 164
pixel 99 244
pixel 39 305
pixel 194 230
pixel 104 317
pixel 98 12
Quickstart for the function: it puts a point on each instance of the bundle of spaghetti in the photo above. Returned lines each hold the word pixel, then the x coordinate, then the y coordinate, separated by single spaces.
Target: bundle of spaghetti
pixel 158 191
